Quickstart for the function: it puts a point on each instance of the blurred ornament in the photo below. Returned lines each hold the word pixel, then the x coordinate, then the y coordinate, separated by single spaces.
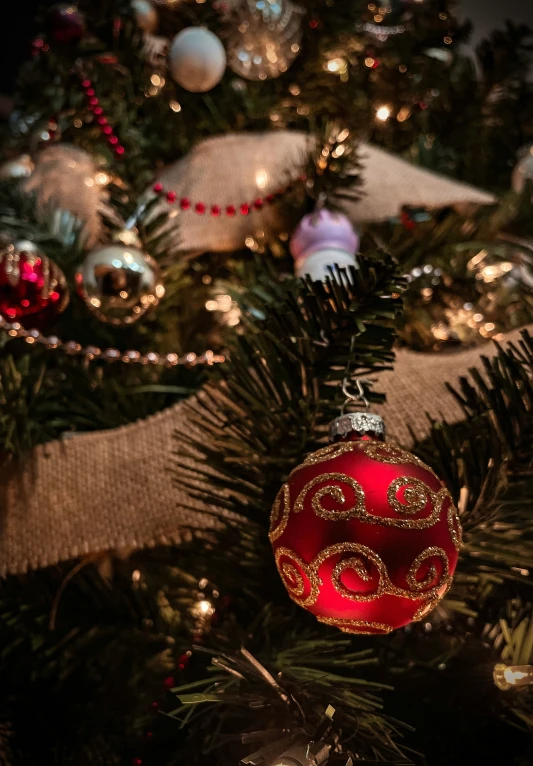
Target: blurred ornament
pixel 69 178
pixel 523 171
pixel 321 240
pixel 66 23
pixel 266 38
pixel 440 54
pixel 33 290
pixel 21 167
pixel 145 15
pixel 197 59
pixel 45 133
pixel 366 537
pixel 119 283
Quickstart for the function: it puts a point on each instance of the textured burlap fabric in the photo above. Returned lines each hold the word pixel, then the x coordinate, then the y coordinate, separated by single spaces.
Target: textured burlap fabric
pixel 114 489
pixel 232 169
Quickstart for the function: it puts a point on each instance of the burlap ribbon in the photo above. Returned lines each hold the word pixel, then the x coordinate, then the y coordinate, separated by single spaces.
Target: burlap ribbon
pixel 113 489
pixel 236 168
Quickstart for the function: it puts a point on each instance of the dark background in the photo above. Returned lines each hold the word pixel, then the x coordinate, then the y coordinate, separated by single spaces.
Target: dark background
pixel 18 31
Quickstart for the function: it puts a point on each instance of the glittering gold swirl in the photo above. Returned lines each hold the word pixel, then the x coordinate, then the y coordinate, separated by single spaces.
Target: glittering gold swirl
pixel 415 497
pixel 357 626
pixel 282 506
pixel 454 525
pixel 425 608
pixel 334 491
pixel 391 454
pixel 359 564
pixel 292 572
pixel 329 452
pixel 428 586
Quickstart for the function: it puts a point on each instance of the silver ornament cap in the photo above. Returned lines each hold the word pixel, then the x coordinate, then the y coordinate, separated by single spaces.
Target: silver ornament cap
pixel 357 424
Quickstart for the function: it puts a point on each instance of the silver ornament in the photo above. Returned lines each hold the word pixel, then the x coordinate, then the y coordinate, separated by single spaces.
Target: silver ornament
pixel 21 167
pixel 145 15
pixel 197 59
pixel 266 38
pixel 119 283
pixel 523 170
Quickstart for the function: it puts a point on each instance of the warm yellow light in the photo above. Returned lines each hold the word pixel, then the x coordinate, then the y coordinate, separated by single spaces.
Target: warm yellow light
pixel 369 62
pixel 261 178
pixel 404 114
pixel 334 65
pixel 204 607
pixel 383 113
pixel 175 106
pixel 507 676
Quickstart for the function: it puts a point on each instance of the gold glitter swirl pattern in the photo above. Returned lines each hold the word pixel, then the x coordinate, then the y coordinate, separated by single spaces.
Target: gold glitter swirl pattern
pixel 391 454
pixel 357 563
pixel 425 608
pixel 293 578
pixel 329 452
pixel 454 525
pixel 334 491
pixel 282 505
pixel 356 626
pixel 415 497
pixel 428 585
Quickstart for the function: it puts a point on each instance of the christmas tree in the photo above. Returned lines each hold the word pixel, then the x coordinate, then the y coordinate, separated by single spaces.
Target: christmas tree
pixel 266 480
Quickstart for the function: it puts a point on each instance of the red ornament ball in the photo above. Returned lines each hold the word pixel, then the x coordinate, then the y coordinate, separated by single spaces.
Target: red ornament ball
pixel 366 537
pixel 33 290
pixel 66 23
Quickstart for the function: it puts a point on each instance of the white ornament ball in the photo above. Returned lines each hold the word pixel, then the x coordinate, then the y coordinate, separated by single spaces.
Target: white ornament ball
pixel 21 167
pixel 197 59
pixel 145 15
pixel 523 171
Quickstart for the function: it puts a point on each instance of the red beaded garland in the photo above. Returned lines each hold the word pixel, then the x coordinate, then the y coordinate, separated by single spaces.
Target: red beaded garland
pixel 365 536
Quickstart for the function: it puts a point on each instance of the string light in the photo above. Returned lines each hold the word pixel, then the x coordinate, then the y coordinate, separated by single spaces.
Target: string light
pixel 512 676
pixel 383 113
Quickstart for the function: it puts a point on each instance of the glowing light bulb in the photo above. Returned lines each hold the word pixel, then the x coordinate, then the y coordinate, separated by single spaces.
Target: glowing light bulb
pixel 508 676
pixel 383 113
pixel 204 607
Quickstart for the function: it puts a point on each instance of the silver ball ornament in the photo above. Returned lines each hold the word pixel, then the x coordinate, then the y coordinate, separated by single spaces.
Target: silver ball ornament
pixel 266 38
pixel 197 59
pixel 145 15
pixel 119 283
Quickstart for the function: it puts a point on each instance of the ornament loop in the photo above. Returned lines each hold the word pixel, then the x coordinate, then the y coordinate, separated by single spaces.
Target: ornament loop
pixel 358 398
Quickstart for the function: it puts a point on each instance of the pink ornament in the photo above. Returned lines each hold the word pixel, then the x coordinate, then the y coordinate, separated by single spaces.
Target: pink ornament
pixel 322 239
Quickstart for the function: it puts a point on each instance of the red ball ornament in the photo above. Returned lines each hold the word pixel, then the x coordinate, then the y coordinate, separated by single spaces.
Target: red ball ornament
pixel 366 537
pixel 33 290
pixel 66 23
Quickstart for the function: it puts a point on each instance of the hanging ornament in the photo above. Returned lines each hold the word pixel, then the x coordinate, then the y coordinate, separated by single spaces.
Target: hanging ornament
pixel 33 290
pixel 145 15
pixel 66 24
pixel 321 240
pixel 21 167
pixel 119 283
pixel 365 536
pixel 266 38
pixel 523 171
pixel 197 59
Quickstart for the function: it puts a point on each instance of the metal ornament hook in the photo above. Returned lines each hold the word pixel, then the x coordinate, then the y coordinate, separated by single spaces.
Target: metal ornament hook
pixel 359 398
